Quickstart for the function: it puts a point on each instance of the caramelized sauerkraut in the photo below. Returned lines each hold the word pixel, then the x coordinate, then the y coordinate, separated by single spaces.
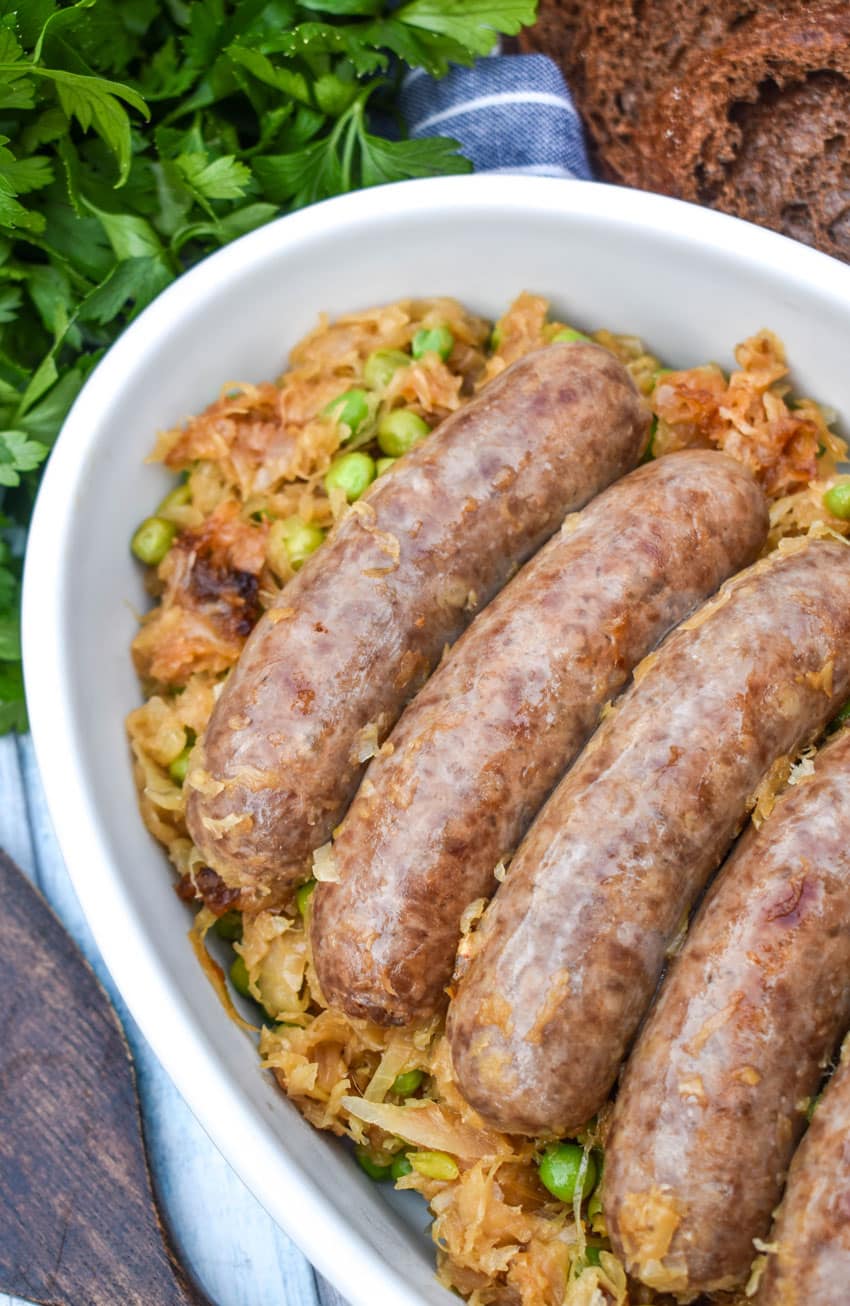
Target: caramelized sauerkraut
pixel 253 467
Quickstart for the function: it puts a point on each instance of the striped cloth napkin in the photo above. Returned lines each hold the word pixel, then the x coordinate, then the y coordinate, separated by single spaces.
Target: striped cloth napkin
pixel 510 113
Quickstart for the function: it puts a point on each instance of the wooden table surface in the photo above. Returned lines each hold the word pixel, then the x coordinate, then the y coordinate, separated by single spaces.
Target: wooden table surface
pixel 235 1251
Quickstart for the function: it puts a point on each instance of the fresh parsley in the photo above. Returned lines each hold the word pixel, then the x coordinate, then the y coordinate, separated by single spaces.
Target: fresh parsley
pixel 138 135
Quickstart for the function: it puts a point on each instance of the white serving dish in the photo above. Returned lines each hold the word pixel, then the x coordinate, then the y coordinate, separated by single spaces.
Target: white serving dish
pixel 690 281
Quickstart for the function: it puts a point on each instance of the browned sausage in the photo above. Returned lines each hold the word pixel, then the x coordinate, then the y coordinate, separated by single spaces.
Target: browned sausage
pixel 358 630
pixel 480 747
pixel 715 1090
pixel 574 943
pixel 810 1265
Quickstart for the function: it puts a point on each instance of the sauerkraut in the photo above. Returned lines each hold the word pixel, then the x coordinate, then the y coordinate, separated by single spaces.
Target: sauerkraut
pixel 257 456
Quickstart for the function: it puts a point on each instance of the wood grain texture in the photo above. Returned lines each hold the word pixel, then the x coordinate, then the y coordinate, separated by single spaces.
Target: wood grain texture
pixel 231 1246
pixel 78 1223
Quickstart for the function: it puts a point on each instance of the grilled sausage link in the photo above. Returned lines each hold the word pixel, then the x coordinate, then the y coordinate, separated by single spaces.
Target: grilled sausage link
pixel 572 947
pixel 358 630
pixel 811 1263
pixel 714 1092
pixel 480 747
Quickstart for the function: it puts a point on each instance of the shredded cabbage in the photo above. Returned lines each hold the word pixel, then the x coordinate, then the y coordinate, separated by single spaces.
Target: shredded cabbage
pixel 259 453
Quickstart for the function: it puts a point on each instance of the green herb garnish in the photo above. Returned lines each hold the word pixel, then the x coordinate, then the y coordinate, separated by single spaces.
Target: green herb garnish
pixel 136 136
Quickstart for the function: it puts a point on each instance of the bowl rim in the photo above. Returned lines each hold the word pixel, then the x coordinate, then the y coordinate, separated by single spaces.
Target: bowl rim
pixel 293 1200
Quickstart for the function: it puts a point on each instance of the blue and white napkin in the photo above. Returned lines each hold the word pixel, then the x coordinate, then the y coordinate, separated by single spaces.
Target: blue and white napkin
pixel 510 113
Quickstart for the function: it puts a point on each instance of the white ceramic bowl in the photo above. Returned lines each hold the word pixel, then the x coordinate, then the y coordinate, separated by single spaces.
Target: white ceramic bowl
pixel 690 281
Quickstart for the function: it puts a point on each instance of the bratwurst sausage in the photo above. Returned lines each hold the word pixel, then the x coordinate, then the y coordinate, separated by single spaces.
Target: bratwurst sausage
pixel 480 747
pixel 714 1093
pixel 573 945
pixel 810 1265
pixel 361 626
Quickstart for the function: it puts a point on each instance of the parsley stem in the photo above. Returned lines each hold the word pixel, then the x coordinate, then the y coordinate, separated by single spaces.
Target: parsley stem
pixel 351 140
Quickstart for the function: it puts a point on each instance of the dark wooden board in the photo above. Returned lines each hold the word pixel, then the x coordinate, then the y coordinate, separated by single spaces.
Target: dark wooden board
pixel 78 1222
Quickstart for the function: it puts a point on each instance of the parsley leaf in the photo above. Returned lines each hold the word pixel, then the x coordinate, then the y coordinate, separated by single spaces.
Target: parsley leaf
pixel 18 454
pixel 217 179
pixel 473 24
pixel 384 160
pixel 13 712
pixel 96 102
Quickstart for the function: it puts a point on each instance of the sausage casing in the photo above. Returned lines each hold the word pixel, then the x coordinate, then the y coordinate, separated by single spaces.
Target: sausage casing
pixel 714 1093
pixel 809 1260
pixel 478 750
pixel 358 630
pixel 573 945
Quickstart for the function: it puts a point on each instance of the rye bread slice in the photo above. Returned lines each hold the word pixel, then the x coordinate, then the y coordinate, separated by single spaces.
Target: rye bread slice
pixel 554 31
pixel 616 54
pixel 741 104
pixel 760 127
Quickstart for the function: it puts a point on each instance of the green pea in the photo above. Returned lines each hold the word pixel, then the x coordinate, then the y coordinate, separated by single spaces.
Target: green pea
pixel 384 464
pixel 407 1083
pixel 380 367
pixel 569 336
pixel 353 473
pixel 841 716
pixel 400 430
pixel 433 340
pixel 400 1166
pixel 435 1165
pixel 179 765
pixel 560 1167
pixel 303 894
pixel 152 540
pixel 229 926
pixel 293 539
pixel 648 453
pixel 352 408
pixel 176 498
pixel 239 978
pixel 837 500
pixel 178 769
pixel 373 1168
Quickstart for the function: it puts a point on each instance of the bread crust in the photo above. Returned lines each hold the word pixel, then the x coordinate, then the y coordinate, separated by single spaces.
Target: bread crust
pixel 759 127
pixel 740 104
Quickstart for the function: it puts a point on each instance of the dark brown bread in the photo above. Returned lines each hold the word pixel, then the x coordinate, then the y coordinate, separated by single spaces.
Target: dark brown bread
pixel 741 104
pixel 761 127
pixel 616 55
pixel 555 32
